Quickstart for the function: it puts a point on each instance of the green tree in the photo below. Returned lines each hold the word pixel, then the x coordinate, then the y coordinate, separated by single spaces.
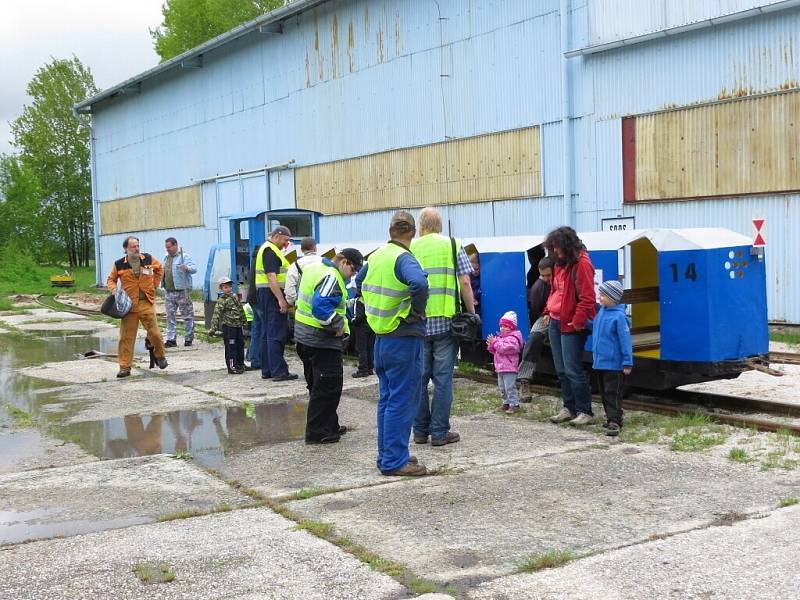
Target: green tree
pixel 21 222
pixel 54 148
pixel 189 23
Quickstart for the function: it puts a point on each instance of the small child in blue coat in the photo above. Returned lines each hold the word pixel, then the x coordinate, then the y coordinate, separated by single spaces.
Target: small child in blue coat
pixel 612 352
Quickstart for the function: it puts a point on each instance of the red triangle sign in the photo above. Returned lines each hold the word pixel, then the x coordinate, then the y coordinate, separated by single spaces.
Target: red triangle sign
pixel 759 223
pixel 759 241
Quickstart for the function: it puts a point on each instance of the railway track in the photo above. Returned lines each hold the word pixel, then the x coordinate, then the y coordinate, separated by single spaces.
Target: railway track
pixel 785 358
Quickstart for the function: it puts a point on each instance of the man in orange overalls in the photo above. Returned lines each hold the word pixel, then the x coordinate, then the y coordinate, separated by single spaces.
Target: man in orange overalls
pixel 139 275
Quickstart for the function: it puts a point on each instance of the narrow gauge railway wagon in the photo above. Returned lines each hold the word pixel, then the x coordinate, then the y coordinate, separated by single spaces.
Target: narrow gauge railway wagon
pixel 697 298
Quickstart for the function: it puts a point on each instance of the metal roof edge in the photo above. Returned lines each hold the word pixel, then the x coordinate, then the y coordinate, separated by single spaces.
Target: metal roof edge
pixel 294 8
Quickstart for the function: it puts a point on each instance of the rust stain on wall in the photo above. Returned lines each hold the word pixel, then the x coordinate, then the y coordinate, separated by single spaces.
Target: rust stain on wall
pixel 335 47
pixel 379 41
pixel 351 42
pixel 320 58
pixel 308 72
pixel 398 46
pixel 366 22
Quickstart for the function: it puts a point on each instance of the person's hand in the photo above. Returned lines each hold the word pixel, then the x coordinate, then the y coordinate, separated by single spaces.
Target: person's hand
pixel 627 370
pixel 490 339
pixel 546 320
pixel 184 268
pixel 283 306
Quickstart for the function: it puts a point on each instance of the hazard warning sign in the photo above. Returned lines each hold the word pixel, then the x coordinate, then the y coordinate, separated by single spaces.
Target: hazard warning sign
pixel 759 241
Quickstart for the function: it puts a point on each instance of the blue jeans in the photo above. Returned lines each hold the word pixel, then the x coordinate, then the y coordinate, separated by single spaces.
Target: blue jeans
pixel 567 357
pixel 256 334
pixel 398 364
pixel 276 332
pixel 439 359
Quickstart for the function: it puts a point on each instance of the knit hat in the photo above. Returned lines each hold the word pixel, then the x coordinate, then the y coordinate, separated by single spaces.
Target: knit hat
pixel 509 320
pixel 613 289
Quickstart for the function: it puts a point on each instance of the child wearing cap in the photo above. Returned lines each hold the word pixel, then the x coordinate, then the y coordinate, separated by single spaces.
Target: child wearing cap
pixel 506 347
pixel 229 315
pixel 612 352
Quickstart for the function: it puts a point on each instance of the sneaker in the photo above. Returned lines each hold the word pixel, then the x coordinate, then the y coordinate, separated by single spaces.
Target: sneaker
pixel 358 374
pixel 170 344
pixel 187 342
pixel 252 368
pixel 419 439
pixel 287 377
pixel 451 438
pixel 505 406
pixel 162 363
pixel 408 470
pixel 582 419
pixel 512 409
pixel 613 430
pixel 562 416
pixel 123 373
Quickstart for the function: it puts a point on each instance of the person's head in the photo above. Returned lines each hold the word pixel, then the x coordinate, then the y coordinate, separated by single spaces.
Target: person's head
pixel 171 245
pixel 545 267
pixel 430 221
pixel 131 245
pixel 564 245
pixel 475 262
pixel 610 293
pixel 508 322
pixel 280 236
pixel 307 245
pixel 349 262
pixel 225 285
pixel 402 228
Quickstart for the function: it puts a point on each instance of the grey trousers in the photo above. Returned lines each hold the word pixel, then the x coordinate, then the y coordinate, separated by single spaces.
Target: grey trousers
pixel 179 300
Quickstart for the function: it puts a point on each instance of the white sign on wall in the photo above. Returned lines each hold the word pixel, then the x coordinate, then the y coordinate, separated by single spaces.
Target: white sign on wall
pixel 618 224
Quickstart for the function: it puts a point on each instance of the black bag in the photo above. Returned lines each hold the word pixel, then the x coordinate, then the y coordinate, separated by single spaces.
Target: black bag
pixel 464 326
pixel 118 304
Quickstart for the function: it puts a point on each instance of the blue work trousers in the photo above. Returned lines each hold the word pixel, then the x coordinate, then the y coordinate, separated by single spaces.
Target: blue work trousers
pixel 439 356
pixel 568 359
pixel 256 336
pixel 398 364
pixel 276 332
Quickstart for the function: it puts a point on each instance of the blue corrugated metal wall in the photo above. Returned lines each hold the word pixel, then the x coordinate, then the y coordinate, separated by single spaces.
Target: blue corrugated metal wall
pixel 354 77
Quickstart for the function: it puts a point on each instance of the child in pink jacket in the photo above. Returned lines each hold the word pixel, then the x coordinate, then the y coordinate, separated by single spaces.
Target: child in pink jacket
pixel 506 347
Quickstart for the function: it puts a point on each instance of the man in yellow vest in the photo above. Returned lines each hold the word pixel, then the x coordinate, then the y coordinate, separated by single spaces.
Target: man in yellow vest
pixel 448 269
pixel 271 267
pixel 320 324
pixel 395 290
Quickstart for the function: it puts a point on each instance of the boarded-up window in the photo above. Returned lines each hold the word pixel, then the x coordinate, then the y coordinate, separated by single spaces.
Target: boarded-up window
pixel 491 167
pixel 748 146
pixel 181 207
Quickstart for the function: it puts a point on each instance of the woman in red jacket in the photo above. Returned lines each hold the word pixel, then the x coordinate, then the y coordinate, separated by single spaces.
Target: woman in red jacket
pixel 570 305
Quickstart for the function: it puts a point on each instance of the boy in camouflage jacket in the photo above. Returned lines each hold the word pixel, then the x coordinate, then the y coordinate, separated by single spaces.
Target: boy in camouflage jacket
pixel 229 314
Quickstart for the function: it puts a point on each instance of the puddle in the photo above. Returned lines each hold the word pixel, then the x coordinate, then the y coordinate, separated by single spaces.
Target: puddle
pixel 207 435
pixel 18 527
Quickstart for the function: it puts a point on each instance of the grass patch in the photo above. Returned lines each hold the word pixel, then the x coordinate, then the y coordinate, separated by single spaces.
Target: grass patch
pixel 306 493
pixel 31 278
pixel 546 560
pixel 694 441
pixel 189 513
pixel 5 304
pixel 786 337
pixel 740 455
pixel 542 408
pixel 445 470
pixel 318 528
pixel 471 398
pixel 22 419
pixel 421 586
pixel 182 455
pixel 153 573
pixel 787 501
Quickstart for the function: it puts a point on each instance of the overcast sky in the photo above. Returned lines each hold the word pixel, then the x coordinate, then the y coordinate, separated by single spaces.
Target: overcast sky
pixel 111 37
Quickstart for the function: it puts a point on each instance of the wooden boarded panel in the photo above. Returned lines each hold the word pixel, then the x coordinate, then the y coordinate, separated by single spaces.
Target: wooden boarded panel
pixel 748 146
pixel 181 207
pixel 479 169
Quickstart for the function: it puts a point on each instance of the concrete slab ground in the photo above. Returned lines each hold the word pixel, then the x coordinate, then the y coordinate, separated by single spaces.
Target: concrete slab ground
pixel 39 315
pixel 73 326
pixel 27 449
pixel 74 371
pixel 247 554
pixel 105 495
pixel 755 558
pixel 482 523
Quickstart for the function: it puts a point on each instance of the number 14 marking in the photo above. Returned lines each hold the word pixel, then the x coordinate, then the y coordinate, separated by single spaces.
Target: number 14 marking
pixel 690 273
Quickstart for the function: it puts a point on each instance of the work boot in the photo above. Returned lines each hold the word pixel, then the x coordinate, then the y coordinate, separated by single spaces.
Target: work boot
pixel 420 439
pixel 451 438
pixel 123 373
pixel 582 419
pixel 358 374
pixel 342 429
pixel 170 344
pixel 562 416
pixel 408 470
pixel 162 363
pixel 287 377
pixel 187 342
pixel 613 429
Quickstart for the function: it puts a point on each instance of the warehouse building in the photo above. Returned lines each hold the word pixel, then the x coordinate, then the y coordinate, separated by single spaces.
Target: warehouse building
pixel 658 113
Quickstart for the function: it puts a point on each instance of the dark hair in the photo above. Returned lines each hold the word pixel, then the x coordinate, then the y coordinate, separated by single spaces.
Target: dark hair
pixel 172 241
pixel 127 239
pixel 546 263
pixel 567 240
pixel 307 244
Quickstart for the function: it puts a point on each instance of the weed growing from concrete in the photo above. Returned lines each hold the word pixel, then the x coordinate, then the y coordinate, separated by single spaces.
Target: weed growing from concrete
pixel 739 455
pixel 421 586
pixel 694 441
pixel 306 493
pixel 22 419
pixel 318 528
pixel 153 573
pixel 546 560
pixel 189 513
pixel 653 537
pixel 787 501
pixel 542 408
pixel 471 398
pixel 445 470
pixel 182 455
pixel 729 519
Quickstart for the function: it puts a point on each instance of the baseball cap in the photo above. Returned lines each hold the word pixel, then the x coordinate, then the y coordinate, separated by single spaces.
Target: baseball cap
pixel 223 280
pixel 403 221
pixel 281 230
pixel 353 256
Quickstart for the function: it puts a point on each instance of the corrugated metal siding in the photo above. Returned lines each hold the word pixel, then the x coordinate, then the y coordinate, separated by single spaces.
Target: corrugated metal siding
pixel 782 234
pixel 608 164
pixel 611 20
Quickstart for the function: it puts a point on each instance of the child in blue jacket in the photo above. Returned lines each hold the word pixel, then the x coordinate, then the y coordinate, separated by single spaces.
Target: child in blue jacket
pixel 612 352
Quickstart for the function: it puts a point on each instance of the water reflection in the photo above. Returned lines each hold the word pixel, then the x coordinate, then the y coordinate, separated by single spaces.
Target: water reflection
pixel 208 435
